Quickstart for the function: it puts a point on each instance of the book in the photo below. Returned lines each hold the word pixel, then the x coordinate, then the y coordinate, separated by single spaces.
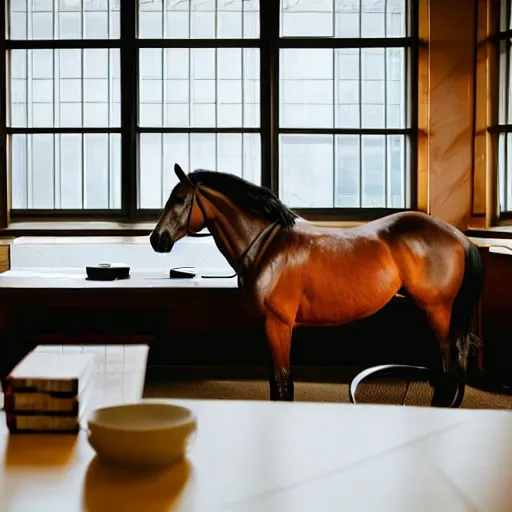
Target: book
pixel 51 372
pixel 116 375
pixel 18 424
pixel 31 417
pixel 38 402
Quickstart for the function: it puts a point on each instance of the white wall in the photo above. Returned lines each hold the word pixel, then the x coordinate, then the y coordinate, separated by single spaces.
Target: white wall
pixel 73 253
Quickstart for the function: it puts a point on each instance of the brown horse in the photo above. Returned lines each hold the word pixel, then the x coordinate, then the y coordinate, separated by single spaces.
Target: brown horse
pixel 293 273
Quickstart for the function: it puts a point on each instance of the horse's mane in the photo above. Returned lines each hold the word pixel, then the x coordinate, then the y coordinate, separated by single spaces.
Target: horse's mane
pixel 258 200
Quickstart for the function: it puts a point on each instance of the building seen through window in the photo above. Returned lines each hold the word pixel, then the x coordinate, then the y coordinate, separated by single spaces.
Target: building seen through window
pixel 343 129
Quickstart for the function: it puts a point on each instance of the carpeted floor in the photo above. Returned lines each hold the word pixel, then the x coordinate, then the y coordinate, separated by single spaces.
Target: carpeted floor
pixel 304 391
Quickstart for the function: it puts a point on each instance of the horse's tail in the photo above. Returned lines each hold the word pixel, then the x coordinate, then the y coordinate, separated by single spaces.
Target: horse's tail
pixel 461 336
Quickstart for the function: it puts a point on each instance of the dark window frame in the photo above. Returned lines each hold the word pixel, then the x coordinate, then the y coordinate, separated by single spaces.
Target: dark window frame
pixel 270 43
pixel 503 129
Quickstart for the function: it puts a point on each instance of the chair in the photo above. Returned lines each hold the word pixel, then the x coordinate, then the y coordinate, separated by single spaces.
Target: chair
pixel 415 385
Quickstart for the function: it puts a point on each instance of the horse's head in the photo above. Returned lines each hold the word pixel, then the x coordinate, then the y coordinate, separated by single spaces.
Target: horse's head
pixel 182 215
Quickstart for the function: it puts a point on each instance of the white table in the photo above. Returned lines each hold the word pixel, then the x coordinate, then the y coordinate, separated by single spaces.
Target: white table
pixel 267 456
pixel 75 279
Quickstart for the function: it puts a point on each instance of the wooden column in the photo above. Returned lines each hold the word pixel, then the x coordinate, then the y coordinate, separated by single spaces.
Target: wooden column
pixel 451 109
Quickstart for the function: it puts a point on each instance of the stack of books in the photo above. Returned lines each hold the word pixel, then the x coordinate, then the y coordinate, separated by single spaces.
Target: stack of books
pixel 49 391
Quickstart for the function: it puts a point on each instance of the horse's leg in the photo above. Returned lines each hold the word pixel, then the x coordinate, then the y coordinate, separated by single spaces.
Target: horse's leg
pixel 279 336
pixel 439 316
pixel 452 346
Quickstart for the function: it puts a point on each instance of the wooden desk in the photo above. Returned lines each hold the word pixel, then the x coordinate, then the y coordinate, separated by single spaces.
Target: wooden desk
pixel 62 307
pixel 199 322
pixel 265 457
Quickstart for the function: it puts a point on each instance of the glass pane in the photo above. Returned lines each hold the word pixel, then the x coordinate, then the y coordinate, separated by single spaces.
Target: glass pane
pixel 64 19
pixel 235 153
pixel 396 170
pixel 348 171
pixel 66 171
pixel 199 19
pixel 372 87
pixel 359 171
pixel 504 82
pixel 306 88
pixel 65 88
pixel 368 91
pixel 503 177
pixel 373 18
pixel 505 15
pixel 394 88
pixel 307 18
pixel 505 171
pixel 348 88
pixel 396 20
pixel 343 18
pixel 199 87
pixel 347 18
pixel 306 177
pixel 508 171
pixel 373 171
pixel 509 84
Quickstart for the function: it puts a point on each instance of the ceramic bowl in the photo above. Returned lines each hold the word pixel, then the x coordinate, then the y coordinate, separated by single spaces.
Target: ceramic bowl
pixel 143 434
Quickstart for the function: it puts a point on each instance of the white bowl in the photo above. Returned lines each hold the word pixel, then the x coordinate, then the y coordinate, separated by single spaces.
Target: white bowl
pixel 143 434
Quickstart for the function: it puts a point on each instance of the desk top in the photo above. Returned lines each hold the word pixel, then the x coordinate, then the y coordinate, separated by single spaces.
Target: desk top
pixel 268 456
pixel 76 279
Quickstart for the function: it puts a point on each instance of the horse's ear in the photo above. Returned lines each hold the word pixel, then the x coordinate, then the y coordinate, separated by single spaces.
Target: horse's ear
pixel 181 175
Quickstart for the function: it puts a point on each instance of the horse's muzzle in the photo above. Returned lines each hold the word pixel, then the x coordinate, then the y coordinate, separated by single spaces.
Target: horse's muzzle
pixel 161 242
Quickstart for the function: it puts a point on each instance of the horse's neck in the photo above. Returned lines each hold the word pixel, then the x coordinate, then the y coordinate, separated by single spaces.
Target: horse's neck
pixel 232 229
pixel 233 239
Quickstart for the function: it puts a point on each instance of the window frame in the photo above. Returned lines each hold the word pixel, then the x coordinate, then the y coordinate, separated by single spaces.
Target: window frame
pixel 269 44
pixel 503 39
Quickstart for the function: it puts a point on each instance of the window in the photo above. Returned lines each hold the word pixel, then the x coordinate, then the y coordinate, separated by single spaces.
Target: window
pixel 504 128
pixel 64 115
pixel 318 102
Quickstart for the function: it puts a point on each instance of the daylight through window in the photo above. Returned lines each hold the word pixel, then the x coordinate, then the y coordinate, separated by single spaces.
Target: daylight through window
pixel 104 96
pixel 504 128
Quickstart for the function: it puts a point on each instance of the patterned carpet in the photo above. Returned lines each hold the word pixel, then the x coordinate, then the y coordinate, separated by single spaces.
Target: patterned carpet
pixel 304 391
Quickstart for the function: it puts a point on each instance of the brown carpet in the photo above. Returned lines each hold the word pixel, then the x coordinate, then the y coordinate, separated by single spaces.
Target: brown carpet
pixel 304 392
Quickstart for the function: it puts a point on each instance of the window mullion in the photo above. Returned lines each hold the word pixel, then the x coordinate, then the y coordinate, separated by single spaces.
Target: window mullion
pixel 129 60
pixel 503 48
pixel 4 175
pixel 269 93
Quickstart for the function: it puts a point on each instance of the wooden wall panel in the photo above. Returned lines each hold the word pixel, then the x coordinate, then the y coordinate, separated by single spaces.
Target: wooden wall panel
pixel 451 92
pixel 485 184
pixel 423 106
pixel 5 263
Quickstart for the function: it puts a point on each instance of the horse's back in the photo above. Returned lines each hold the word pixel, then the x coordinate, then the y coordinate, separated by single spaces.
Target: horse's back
pixel 429 253
pixel 407 249
pixel 420 234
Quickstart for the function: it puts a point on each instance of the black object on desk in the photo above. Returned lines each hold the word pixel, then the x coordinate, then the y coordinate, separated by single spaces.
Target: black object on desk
pixel 190 273
pixel 108 272
pixel 182 273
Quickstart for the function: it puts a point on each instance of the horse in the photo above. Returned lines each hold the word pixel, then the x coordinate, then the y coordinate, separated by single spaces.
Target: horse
pixel 293 273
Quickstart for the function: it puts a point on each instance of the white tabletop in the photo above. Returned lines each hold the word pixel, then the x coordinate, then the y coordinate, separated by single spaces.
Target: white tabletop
pixel 267 456
pixel 77 279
